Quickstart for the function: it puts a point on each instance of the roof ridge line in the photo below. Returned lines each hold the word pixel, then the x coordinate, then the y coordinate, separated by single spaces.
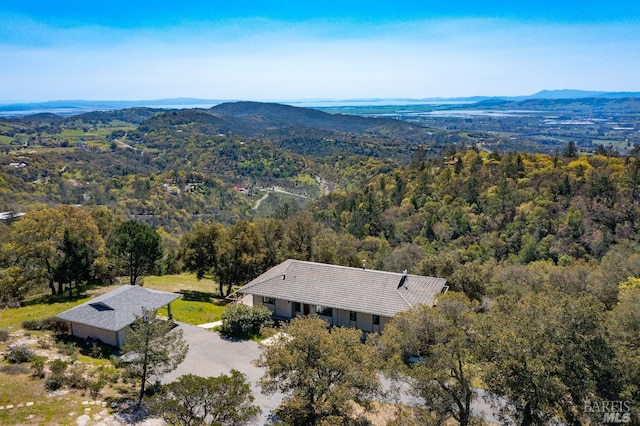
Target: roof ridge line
pixel 377 271
pixel 403 298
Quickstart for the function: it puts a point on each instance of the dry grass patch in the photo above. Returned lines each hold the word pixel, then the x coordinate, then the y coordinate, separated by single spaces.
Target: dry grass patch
pixel 182 282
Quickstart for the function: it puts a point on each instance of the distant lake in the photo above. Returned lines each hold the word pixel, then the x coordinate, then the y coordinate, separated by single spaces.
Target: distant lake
pixel 21 110
pixel 476 113
pixel 371 103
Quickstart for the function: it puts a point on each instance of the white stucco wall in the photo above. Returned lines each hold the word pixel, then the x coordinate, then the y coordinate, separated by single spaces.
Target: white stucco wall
pixel 284 308
pixel 84 331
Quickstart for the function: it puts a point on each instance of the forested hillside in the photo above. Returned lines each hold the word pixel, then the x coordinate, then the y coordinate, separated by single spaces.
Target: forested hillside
pixel 171 168
pixel 541 251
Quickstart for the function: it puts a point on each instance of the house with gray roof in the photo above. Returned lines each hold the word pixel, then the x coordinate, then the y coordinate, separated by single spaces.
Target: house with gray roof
pixel 107 317
pixel 350 297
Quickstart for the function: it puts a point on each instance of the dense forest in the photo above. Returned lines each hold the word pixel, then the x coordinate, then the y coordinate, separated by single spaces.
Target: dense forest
pixel 526 237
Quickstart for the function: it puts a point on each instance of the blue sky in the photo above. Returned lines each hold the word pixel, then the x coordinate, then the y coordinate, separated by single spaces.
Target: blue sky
pixel 293 50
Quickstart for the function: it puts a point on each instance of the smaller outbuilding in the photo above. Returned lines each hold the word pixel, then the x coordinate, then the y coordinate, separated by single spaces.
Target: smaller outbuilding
pixel 107 317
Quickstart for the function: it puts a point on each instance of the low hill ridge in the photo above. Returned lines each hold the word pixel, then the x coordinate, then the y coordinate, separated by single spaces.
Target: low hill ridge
pixel 288 116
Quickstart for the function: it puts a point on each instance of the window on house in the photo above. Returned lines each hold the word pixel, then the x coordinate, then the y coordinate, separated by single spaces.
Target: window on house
pixel 296 306
pixel 353 316
pixel 376 320
pixel 324 310
pixel 269 300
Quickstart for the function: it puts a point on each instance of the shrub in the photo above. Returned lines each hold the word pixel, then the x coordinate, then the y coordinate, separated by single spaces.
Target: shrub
pixel 57 325
pixel 37 366
pixel 108 374
pixel 95 386
pixel 19 354
pixel 54 382
pixel 4 335
pixel 75 376
pixel 95 351
pixel 13 303
pixel 44 343
pixel 68 349
pixel 31 324
pixel 243 321
pixel 116 361
pixel 58 367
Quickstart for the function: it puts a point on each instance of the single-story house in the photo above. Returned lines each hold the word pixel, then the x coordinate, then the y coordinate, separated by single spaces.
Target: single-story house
pixel 350 297
pixel 107 317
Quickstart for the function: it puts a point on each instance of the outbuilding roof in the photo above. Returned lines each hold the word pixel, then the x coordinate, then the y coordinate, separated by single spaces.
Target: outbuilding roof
pixel 117 309
pixel 340 287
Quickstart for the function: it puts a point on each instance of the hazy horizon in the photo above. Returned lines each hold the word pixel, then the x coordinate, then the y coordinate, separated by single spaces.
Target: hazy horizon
pixel 284 51
pixel 304 100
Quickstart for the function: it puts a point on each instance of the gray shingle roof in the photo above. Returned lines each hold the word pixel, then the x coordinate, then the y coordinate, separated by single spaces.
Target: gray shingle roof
pixel 353 289
pixel 118 308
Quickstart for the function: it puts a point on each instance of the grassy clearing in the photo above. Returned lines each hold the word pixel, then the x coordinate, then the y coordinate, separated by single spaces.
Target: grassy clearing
pixel 11 319
pixel 57 150
pixel 195 307
pixel 72 133
pixel 94 362
pixel 616 144
pixel 200 303
pixel 92 133
pixel 277 200
pixel 181 282
pixel 193 312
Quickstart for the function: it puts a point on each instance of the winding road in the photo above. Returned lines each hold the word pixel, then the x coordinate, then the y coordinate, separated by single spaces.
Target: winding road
pixel 281 191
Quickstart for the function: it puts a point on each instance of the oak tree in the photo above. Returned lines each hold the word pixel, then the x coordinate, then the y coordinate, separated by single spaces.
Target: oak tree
pixel 45 243
pixel 224 400
pixel 624 329
pixel 546 354
pixel 138 247
pixel 321 372
pixel 434 350
pixel 201 250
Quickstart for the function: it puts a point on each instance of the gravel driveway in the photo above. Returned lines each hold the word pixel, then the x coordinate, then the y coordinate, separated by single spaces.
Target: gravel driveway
pixel 211 355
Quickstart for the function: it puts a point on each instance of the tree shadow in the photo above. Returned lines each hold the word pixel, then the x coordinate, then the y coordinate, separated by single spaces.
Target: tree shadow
pixel 48 299
pixel 51 299
pixel 233 339
pixel 201 296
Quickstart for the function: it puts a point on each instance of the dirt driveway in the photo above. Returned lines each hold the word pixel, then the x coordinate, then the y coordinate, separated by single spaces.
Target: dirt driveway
pixel 211 355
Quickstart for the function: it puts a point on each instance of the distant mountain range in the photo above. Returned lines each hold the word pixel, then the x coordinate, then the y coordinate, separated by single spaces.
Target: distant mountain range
pixel 72 107
pixel 580 94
